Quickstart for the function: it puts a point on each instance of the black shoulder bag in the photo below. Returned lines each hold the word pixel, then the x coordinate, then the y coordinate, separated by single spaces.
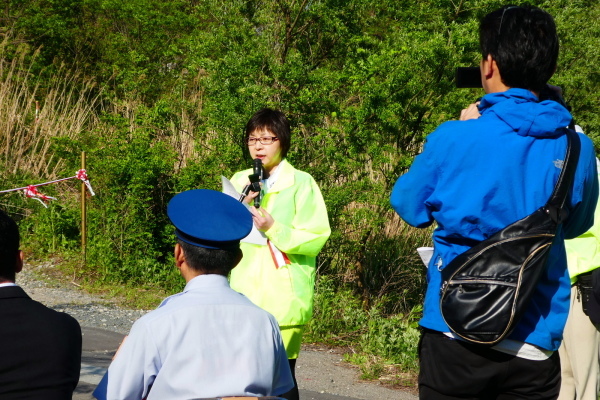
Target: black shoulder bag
pixel 487 288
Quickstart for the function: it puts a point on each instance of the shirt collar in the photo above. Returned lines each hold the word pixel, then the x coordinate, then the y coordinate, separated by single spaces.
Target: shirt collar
pixel 204 281
pixel 270 181
pixel 285 177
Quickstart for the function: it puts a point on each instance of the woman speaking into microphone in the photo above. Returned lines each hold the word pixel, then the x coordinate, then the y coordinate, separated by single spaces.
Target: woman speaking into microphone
pixel 279 276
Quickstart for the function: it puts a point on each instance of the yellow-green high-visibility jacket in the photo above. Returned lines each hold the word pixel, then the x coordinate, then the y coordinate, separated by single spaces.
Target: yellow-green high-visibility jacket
pixel 583 252
pixel 300 230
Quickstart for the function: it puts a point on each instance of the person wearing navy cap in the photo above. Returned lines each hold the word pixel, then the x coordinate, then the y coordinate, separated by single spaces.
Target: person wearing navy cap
pixel 207 341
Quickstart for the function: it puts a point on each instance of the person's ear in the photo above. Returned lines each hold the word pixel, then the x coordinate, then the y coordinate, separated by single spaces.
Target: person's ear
pixel 238 257
pixel 179 256
pixel 19 262
pixel 487 66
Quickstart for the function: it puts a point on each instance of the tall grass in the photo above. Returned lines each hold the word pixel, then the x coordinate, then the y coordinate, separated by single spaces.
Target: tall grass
pixel 32 115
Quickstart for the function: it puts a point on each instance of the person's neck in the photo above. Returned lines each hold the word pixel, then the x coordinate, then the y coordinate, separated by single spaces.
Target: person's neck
pixel 496 86
pixel 506 88
pixel 271 171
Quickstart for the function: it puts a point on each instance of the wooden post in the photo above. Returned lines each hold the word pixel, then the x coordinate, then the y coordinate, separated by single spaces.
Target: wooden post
pixel 83 214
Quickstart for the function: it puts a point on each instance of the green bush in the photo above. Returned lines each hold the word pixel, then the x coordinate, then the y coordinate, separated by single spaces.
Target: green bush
pixel 157 93
pixel 338 315
pixel 341 319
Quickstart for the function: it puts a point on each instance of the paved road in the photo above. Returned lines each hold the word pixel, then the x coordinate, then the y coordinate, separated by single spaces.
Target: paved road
pixel 314 372
pixel 99 346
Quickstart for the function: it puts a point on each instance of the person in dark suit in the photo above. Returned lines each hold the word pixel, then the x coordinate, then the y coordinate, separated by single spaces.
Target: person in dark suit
pixel 40 356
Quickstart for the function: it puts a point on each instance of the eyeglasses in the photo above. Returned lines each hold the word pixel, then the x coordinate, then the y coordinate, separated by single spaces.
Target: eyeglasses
pixel 263 140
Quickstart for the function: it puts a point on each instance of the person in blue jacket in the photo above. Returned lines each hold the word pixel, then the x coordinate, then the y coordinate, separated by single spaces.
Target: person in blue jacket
pixel 475 176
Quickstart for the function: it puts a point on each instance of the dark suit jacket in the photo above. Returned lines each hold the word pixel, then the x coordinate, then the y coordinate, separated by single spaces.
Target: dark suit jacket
pixel 40 349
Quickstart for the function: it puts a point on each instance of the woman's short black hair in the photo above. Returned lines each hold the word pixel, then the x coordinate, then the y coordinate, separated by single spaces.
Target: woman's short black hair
pixel 523 42
pixel 273 121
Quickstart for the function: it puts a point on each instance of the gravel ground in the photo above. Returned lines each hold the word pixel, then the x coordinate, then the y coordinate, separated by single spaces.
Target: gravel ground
pixel 91 311
pixel 319 370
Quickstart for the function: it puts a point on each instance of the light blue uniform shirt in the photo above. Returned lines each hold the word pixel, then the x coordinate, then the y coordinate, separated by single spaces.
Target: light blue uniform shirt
pixel 208 341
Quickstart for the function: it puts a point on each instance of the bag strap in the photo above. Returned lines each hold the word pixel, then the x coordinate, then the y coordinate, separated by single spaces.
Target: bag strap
pixel 555 207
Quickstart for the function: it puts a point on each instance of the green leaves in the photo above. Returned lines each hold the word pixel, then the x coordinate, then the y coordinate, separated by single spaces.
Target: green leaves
pixel 362 83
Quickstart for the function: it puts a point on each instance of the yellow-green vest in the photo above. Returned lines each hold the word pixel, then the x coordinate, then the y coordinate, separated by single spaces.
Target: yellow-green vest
pixel 300 230
pixel 583 252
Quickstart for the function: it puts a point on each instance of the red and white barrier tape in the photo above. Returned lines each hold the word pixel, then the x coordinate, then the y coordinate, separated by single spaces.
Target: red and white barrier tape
pixel 32 192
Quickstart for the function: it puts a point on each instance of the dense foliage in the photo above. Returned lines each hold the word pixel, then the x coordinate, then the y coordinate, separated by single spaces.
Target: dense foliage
pixel 157 93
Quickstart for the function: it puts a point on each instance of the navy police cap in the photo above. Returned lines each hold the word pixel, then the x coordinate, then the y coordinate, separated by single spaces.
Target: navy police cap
pixel 208 218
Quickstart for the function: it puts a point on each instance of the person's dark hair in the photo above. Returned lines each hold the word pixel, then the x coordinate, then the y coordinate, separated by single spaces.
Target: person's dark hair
pixel 9 246
pixel 275 122
pixel 524 44
pixel 210 261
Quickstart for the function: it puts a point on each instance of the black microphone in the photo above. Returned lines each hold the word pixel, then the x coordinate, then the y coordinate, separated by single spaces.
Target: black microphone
pixel 254 185
pixel 257 167
pixel 258 171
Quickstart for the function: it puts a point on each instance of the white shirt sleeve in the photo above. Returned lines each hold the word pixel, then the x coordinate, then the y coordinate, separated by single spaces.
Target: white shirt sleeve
pixel 136 364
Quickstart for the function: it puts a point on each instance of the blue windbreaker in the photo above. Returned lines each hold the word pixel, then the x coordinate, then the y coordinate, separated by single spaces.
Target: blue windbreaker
pixel 476 177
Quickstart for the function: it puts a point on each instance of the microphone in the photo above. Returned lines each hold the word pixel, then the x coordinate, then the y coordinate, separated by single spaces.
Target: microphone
pixel 258 171
pixel 254 185
pixel 257 167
